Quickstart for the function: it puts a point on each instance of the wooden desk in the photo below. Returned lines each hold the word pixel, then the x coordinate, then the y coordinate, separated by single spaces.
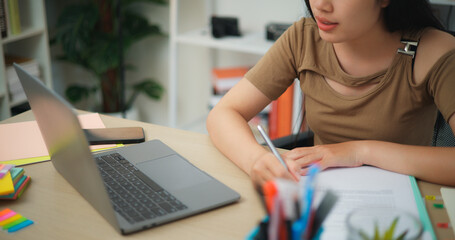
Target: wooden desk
pixel 60 212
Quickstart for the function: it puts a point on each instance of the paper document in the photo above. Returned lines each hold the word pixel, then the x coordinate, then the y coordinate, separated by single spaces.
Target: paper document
pixel 363 187
pixel 23 140
pixel 448 195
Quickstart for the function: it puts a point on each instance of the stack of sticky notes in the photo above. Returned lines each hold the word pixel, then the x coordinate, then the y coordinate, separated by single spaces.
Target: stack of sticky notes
pixel 12 221
pixel 13 182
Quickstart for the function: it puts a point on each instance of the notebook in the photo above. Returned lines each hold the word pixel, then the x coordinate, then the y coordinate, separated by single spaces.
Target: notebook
pixel 134 187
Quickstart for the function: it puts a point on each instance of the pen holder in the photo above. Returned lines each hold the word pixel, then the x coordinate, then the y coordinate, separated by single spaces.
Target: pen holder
pixel 261 232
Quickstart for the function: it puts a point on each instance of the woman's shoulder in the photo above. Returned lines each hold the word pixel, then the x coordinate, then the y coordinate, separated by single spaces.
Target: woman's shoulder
pixel 436 42
pixel 433 45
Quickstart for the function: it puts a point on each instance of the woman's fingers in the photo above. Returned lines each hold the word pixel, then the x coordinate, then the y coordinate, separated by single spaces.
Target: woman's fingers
pixel 268 168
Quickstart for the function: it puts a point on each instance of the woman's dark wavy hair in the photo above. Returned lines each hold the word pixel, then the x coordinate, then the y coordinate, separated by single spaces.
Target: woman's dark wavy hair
pixel 406 15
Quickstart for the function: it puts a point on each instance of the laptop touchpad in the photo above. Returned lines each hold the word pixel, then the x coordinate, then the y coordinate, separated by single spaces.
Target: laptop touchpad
pixel 173 172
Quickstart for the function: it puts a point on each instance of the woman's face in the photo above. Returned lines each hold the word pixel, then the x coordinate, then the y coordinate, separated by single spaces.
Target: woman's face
pixel 348 20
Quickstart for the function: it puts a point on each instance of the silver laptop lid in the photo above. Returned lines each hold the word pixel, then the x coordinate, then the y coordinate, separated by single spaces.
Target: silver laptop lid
pixel 67 144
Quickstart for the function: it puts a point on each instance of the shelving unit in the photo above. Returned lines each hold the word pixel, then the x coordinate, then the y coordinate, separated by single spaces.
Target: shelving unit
pixel 253 16
pixel 443 2
pixel 253 42
pixel 32 42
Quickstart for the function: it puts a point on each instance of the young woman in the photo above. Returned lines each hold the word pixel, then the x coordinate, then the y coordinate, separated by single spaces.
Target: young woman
pixel 373 73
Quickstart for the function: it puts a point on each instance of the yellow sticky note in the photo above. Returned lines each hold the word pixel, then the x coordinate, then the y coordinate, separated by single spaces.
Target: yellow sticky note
pixel 10 220
pixel 6 184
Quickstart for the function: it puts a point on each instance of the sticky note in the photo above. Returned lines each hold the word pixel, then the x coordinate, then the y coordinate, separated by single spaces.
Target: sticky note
pixel 6 184
pixel 14 223
pixel 5 211
pixel 16 174
pixel 432 197
pixel 5 169
pixel 438 205
pixel 18 188
pixel 10 219
pixel 442 225
pixel 20 225
pixel 7 215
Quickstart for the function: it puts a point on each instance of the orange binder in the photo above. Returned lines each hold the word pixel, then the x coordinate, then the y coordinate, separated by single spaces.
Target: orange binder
pixel 284 122
pixel 273 120
pixel 225 78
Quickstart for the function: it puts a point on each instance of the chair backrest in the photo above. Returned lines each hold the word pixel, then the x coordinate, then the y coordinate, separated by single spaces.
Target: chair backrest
pixel 442 134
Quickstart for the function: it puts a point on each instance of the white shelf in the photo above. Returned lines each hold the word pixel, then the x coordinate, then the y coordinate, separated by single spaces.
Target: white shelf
pixel 31 42
pixel 189 34
pixel 17 102
pixel 443 2
pixel 24 35
pixel 254 42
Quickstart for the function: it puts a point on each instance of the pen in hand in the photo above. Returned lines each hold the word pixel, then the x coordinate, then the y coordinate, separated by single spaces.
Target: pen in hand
pixel 271 146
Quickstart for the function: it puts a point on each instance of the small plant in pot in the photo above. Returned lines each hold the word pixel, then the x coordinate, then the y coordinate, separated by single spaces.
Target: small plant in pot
pixel 95 35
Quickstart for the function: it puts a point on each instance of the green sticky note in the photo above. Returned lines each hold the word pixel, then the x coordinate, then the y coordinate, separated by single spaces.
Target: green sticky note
pixel 438 205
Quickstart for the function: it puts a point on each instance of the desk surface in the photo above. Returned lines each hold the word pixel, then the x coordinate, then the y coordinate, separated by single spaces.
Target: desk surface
pixel 60 212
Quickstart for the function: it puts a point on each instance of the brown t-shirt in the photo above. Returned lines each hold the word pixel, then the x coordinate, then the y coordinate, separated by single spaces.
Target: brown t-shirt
pixel 395 110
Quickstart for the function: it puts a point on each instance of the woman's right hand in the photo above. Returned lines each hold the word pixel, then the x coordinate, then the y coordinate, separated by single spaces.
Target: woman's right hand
pixel 268 167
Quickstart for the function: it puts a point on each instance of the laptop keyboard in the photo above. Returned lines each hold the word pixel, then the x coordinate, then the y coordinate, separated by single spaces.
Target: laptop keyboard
pixel 134 196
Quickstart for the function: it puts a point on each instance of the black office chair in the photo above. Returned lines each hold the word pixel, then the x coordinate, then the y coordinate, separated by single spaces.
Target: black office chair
pixel 442 136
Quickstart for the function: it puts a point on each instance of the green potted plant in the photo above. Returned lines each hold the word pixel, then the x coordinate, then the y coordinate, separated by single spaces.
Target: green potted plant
pixel 387 235
pixel 95 35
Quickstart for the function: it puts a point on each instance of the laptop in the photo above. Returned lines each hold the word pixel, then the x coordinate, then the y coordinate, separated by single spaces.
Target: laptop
pixel 133 187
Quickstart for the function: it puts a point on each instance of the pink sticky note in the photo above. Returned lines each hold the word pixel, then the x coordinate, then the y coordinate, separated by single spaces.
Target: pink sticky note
pixel 5 168
pixel 13 144
pixel 8 215
pixel 5 211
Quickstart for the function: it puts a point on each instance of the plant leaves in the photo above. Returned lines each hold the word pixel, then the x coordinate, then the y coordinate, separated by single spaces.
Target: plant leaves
pixel 377 236
pixel 135 27
pixel 388 235
pixel 151 88
pixel 74 30
pixel 401 236
pixel 85 43
pixel 363 235
pixel 76 93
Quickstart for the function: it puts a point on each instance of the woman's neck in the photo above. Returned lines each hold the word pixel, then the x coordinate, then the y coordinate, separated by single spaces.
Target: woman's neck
pixel 370 54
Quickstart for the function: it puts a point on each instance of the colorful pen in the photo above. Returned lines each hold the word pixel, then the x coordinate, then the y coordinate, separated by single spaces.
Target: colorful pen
pixel 301 225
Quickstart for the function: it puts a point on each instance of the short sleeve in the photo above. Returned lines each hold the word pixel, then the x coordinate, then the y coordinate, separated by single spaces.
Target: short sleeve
pixel 441 84
pixel 277 69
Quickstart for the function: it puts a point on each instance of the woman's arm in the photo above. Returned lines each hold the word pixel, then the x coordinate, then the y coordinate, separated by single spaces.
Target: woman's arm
pixel 433 164
pixel 228 128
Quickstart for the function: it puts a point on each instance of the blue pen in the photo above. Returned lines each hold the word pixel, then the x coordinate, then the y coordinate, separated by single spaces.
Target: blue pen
pixel 298 228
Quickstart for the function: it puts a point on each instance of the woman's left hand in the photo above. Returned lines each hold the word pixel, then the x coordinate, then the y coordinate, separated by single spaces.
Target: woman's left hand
pixel 332 155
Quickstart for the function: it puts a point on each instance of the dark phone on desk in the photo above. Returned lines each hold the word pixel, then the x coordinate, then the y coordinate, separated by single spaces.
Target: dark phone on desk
pixel 96 136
